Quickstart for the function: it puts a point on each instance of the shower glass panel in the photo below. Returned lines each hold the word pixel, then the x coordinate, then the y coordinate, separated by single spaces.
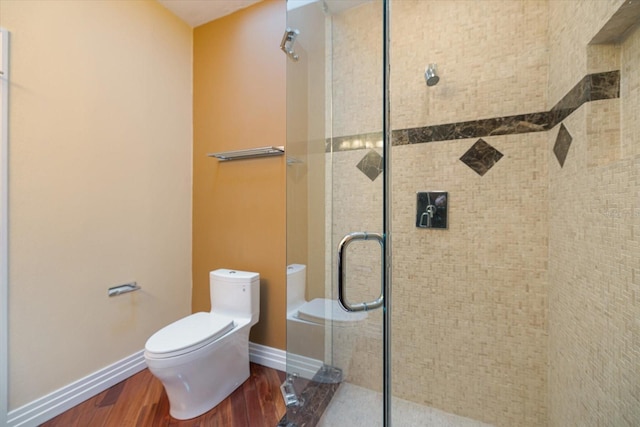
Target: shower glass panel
pixel 522 114
pixel 335 183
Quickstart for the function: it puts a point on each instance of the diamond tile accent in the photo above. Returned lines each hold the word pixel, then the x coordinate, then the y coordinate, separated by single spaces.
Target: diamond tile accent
pixel 371 165
pixel 563 142
pixel 481 157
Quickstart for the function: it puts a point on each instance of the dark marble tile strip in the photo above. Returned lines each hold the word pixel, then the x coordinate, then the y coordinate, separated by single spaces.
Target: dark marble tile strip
pixel 316 397
pixel 605 85
pixel 592 87
pixel 577 96
pixel 521 123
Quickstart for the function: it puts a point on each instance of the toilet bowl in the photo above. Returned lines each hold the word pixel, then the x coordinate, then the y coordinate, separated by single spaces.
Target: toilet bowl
pixel 310 322
pixel 202 358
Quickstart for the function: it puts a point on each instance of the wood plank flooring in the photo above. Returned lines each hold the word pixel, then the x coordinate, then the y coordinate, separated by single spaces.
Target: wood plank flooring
pixel 141 401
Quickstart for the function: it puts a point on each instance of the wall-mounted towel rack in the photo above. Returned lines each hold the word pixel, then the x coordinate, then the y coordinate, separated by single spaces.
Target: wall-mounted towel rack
pixel 249 153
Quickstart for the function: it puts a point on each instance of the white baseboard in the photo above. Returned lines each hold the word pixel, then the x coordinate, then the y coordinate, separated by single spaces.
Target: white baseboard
pixel 47 407
pixel 275 358
pixel 268 356
pixel 53 404
pixel 303 366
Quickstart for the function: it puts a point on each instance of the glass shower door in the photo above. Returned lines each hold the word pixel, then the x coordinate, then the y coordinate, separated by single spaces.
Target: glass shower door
pixel 335 204
pixel 515 311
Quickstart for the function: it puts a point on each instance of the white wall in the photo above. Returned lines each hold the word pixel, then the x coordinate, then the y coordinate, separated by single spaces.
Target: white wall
pixel 100 184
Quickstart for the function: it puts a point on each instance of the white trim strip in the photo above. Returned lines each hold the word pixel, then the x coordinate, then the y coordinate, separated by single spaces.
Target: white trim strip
pixel 53 404
pixel 278 359
pixel 303 366
pixel 268 356
pixel 4 225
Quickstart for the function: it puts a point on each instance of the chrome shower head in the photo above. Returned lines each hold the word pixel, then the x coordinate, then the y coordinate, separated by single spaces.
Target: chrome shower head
pixel 431 76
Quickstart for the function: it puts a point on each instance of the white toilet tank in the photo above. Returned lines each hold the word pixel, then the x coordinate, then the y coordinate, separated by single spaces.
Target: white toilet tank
pixel 235 294
pixel 296 286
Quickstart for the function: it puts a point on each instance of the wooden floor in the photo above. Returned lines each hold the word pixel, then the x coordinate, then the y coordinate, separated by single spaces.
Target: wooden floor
pixel 141 401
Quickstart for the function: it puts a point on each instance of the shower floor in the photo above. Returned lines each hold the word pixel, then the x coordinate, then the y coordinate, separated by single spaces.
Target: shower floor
pixel 351 406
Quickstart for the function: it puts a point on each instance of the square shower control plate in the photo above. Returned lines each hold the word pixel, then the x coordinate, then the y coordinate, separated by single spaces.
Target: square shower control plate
pixel 431 209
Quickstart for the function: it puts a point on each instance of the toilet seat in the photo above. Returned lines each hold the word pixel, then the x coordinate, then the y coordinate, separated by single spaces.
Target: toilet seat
pixel 187 334
pixel 316 311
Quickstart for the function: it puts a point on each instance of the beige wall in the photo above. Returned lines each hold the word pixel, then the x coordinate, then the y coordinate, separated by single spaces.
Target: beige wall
pixel 100 174
pixel 239 207
pixel 593 244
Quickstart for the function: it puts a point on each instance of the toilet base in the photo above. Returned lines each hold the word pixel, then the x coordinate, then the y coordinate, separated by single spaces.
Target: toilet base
pixel 197 382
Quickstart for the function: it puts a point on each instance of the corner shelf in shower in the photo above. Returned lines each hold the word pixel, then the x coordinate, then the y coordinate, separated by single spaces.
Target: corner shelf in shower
pixel 224 156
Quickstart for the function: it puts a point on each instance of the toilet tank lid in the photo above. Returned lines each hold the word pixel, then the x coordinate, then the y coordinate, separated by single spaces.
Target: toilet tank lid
pixel 293 268
pixel 234 275
pixel 188 334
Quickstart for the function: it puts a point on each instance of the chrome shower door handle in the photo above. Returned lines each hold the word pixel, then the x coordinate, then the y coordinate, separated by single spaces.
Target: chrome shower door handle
pixel 342 269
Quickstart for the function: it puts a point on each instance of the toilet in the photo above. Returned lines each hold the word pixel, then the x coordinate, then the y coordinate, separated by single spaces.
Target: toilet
pixel 202 358
pixel 308 323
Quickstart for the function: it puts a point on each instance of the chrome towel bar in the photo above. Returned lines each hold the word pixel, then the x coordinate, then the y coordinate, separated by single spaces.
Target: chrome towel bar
pixel 249 153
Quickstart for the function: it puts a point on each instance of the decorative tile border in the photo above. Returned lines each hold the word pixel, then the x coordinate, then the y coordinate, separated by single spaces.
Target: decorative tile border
pixel 522 123
pixel 592 87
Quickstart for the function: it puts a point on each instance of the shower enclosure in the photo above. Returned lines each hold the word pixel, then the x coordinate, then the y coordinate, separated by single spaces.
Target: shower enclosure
pixel 509 181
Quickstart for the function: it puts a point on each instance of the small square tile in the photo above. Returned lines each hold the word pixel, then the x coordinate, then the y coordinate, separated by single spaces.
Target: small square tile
pixel 481 157
pixel 563 142
pixel 371 165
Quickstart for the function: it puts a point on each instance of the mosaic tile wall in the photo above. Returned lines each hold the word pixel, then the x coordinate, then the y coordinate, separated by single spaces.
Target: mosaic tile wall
pixel 474 304
pixel 491 56
pixel 572 25
pixel 594 253
pixel 470 302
